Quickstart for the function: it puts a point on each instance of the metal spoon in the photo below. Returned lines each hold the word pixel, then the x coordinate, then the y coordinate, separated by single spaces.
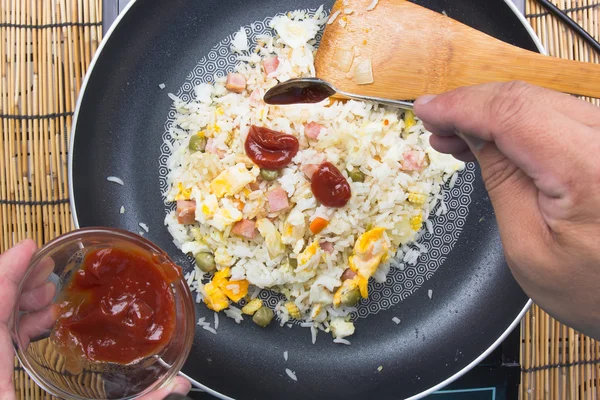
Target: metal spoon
pixel 315 90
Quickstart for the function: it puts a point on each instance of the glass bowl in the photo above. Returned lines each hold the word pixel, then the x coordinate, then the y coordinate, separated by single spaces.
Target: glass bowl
pixel 50 269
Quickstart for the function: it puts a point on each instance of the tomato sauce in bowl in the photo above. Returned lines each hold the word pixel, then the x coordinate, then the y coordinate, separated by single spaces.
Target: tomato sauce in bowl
pixel 118 307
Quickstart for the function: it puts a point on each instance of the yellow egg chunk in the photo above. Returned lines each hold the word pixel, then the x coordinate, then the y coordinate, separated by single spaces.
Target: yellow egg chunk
pixel 214 298
pixel 308 253
pixel 347 286
pixel 369 250
pixel 232 180
pixel 235 290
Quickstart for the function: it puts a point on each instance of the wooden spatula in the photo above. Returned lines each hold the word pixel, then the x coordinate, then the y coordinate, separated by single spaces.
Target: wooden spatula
pixel 415 51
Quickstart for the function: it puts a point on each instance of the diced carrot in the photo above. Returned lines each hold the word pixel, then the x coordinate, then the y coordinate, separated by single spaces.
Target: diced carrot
pixel 318 224
pixel 386 122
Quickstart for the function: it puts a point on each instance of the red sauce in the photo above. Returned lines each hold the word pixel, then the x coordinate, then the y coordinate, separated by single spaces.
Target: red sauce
pixel 118 307
pixel 270 149
pixel 300 93
pixel 330 187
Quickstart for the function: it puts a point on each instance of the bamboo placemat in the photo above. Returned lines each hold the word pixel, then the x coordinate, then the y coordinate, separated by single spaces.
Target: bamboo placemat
pixel 558 362
pixel 46 47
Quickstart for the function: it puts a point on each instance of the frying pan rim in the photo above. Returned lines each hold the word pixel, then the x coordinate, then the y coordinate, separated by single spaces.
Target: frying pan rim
pixel 197 384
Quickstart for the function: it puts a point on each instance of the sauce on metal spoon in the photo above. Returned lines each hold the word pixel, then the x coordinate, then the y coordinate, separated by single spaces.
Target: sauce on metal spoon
pixel 299 91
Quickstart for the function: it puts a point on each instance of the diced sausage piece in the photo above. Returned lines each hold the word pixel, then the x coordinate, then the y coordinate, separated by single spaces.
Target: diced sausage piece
pixel 235 82
pixel 186 211
pixel 313 130
pixel 278 200
pixel 309 169
pixel 414 161
pixel 211 147
pixel 245 228
pixel 348 274
pixel 270 64
pixel 327 247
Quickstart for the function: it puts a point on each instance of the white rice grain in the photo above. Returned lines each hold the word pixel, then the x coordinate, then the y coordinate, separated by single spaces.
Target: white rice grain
pixel 285 355
pixel 162 86
pixel 396 320
pixel 372 6
pixel 216 321
pixel 291 374
pixel 429 226
pixel 208 328
pixel 342 341
pixel 115 179
pixel 313 334
pixel 234 313
pixel 144 227
pixel 122 210
pixel 430 293
pixel 453 180
pixel 331 19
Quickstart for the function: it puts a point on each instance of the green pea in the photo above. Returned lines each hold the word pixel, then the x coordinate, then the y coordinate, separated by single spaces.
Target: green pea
pixel 197 143
pixel 269 175
pixel 205 261
pixel 351 298
pixel 263 316
pixel 356 175
pixel 293 262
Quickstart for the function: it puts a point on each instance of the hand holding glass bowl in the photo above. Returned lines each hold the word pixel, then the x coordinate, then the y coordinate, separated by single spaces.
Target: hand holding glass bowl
pixel 34 288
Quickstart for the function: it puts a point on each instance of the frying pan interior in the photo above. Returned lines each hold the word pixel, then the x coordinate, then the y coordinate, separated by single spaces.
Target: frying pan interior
pixel 118 131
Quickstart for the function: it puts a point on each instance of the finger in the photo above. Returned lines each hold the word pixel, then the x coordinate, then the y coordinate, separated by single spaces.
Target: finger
pixel 515 201
pixel 437 131
pixel 527 125
pixel 35 325
pixel 7 356
pixel 39 274
pixel 448 145
pixel 38 298
pixel 465 156
pixel 14 262
pixel 178 385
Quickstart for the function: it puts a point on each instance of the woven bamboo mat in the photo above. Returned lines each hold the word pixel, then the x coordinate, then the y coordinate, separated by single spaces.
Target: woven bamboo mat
pixel 46 47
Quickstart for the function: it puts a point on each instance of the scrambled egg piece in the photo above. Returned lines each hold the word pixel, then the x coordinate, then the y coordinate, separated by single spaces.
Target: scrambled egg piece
pixel 220 290
pixel 340 328
pixel 225 215
pixel 214 298
pixel 207 207
pixel 347 286
pixel 370 250
pixel 272 237
pixel 311 254
pixel 235 290
pixel 183 193
pixel 232 180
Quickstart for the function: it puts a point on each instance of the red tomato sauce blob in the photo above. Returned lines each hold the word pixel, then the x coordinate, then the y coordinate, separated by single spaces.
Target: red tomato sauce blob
pixel 118 307
pixel 330 187
pixel 270 149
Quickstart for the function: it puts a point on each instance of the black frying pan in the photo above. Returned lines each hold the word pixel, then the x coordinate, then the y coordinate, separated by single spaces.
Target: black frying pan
pixel 118 131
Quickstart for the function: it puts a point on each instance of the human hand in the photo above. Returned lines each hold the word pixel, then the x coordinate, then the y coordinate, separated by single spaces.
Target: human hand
pixel 39 319
pixel 538 155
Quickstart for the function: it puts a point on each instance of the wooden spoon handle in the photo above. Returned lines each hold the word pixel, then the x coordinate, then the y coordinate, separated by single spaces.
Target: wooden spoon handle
pixel 506 63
